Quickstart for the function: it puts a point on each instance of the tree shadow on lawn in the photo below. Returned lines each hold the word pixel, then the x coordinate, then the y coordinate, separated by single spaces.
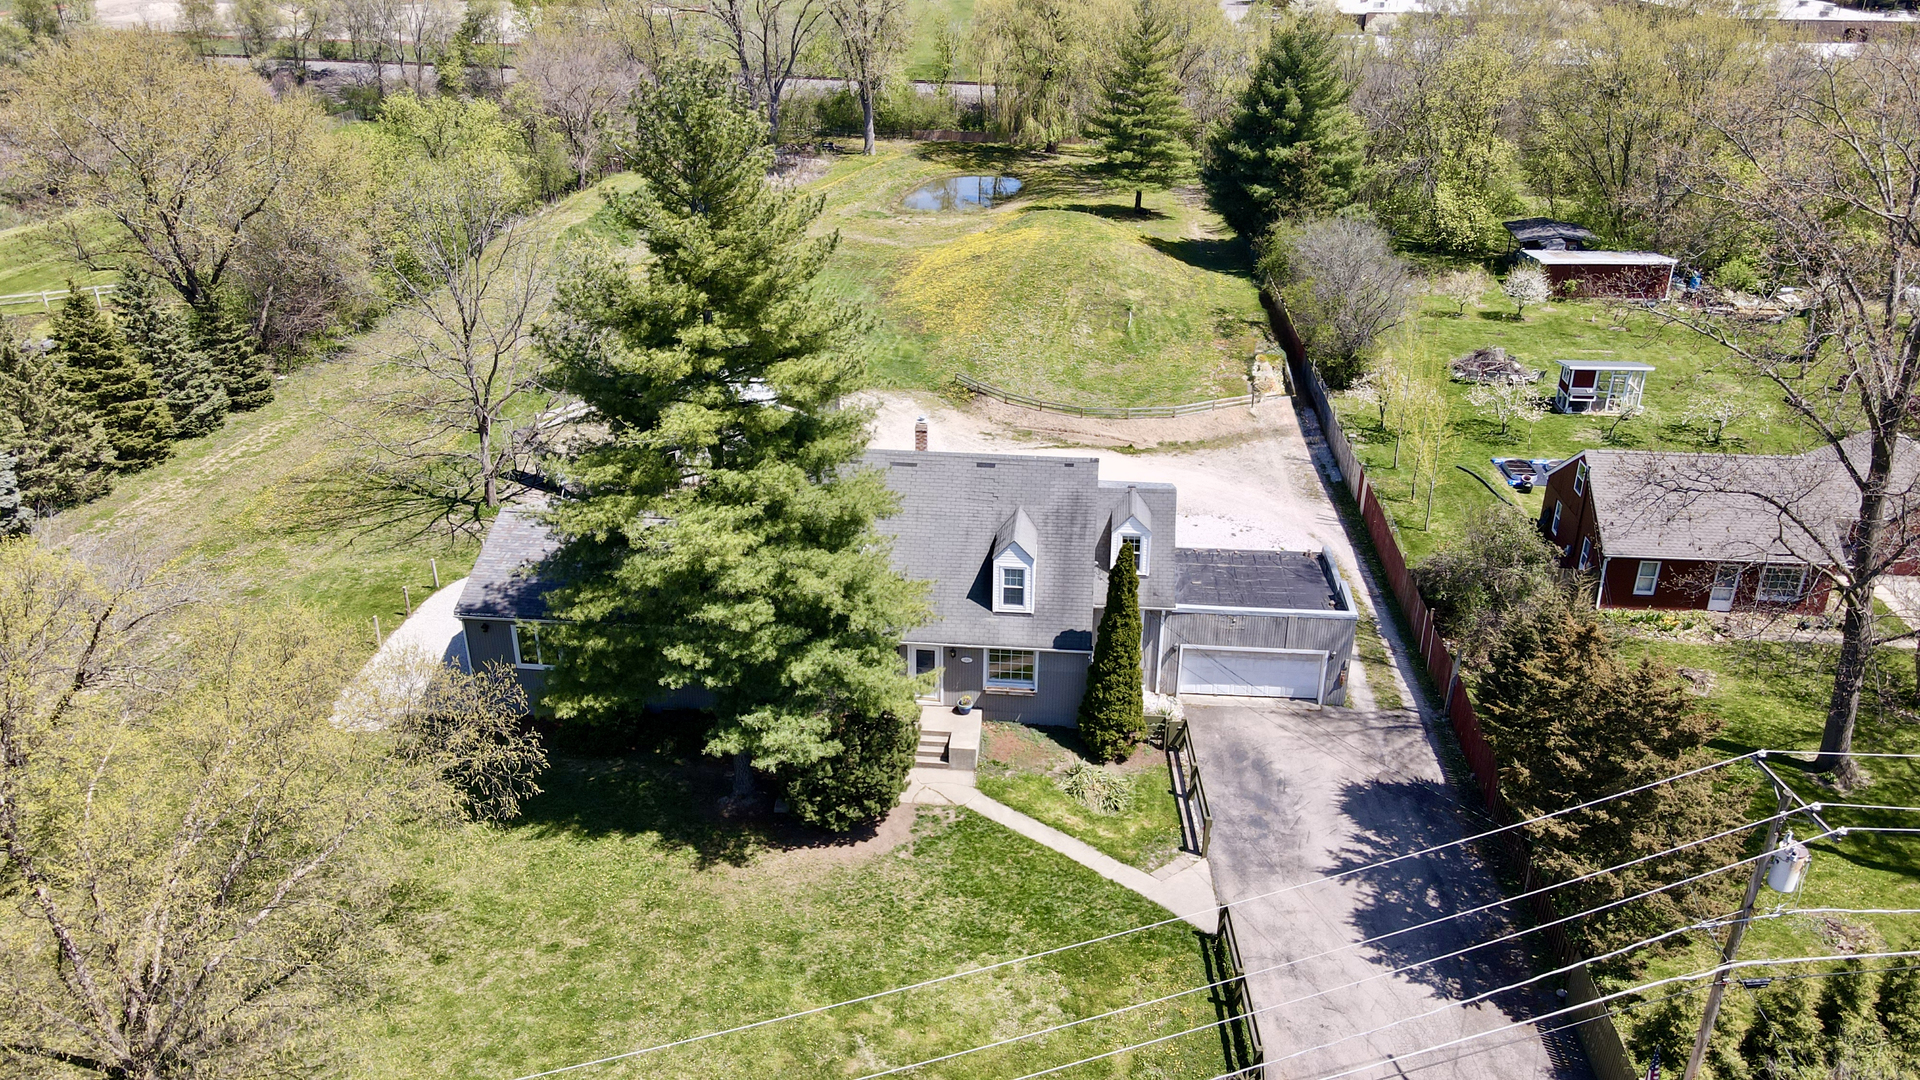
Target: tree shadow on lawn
pixel 1219 255
pixel 653 781
pixel 1113 211
pixel 1393 818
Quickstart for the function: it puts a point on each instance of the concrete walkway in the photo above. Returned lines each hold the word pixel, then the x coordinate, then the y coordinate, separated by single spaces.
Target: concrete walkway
pixel 1184 887
pixel 432 630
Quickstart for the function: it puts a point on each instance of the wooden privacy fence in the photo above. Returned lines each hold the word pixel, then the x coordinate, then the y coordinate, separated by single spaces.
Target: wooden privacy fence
pixel 1593 1026
pixel 1103 412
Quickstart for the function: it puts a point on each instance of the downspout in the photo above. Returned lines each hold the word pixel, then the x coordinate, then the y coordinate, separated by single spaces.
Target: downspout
pixel 1601 588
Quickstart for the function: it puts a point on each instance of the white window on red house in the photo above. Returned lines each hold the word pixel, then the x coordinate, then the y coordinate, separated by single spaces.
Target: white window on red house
pixel 1556 520
pixel 1647 578
pixel 1580 479
pixel 1586 553
pixel 1781 584
pixel 1011 669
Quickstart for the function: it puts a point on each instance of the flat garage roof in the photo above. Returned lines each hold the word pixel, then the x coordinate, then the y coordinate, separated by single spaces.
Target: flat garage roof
pixel 1223 577
pixel 1597 258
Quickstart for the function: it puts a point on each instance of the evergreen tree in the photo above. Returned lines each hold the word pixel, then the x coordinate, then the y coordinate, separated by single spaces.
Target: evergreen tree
pixel 1140 124
pixel 110 383
pixel 1784 1037
pixel 14 517
pixel 1112 716
pixel 1571 722
pixel 1292 148
pixel 1845 1006
pixel 1898 1008
pixel 725 536
pixel 860 781
pixel 158 337
pixel 233 351
pixel 61 456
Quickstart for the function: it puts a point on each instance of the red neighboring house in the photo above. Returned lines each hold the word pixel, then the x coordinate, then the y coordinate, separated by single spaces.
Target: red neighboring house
pixel 1716 532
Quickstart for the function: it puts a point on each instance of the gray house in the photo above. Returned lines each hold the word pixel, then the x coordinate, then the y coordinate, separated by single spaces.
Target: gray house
pixel 1016 550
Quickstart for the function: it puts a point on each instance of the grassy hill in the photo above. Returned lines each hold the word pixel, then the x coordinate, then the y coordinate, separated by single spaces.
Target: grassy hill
pixel 1062 292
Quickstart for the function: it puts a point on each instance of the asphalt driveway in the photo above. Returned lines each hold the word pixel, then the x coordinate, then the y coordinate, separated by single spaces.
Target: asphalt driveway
pixel 1299 792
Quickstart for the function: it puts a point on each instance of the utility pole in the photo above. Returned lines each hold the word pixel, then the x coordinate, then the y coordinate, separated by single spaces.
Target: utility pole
pixel 1738 931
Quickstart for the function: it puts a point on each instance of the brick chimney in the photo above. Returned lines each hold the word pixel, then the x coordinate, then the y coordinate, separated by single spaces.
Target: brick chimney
pixel 920 434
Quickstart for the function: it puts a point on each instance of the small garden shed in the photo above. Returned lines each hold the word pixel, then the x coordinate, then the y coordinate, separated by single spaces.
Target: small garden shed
pixel 1619 275
pixel 1600 386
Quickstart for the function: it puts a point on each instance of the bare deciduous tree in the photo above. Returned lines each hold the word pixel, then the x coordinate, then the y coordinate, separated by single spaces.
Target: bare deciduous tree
pixel 582 80
pixel 193 847
pixel 1825 157
pixel 469 281
pixel 1343 287
pixel 869 36
pixel 767 39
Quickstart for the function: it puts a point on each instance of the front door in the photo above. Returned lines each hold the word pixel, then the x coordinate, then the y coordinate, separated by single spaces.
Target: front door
pixel 927 661
pixel 1726 578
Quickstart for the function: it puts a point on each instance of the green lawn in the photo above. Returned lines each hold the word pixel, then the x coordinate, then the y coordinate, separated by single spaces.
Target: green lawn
pixel 1062 293
pixel 239 502
pixel 33 259
pixel 1685 363
pixel 1773 696
pixel 1019 766
pixel 927 18
pixel 617 915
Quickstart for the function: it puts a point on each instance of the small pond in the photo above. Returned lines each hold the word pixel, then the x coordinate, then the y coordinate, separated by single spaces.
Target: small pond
pixel 963 192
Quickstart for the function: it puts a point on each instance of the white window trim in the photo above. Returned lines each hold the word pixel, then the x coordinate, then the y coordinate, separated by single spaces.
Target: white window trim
pixel 1586 553
pixel 1143 543
pixel 1013 558
pixel 1028 686
pixel 1652 582
pixel 1761 594
pixel 1580 479
pixel 514 630
pixel 1556 519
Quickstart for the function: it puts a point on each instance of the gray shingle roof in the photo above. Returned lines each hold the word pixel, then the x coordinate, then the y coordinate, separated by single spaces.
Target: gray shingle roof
pixel 1218 577
pixel 952 507
pixel 1736 507
pixel 503 584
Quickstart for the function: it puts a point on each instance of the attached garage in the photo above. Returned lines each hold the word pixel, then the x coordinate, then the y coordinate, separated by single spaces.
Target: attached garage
pixel 1274 624
pixel 1278 673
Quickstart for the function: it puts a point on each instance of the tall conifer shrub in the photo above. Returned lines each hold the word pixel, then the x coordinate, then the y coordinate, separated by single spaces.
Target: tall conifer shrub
pixel 60 452
pixel 1141 127
pixel 195 396
pixel 1112 714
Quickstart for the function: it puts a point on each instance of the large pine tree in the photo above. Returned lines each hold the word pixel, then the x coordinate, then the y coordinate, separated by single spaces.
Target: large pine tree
pixel 158 336
pixel 1570 721
pixel 1140 125
pixel 1112 716
pixel 233 350
pixel 1292 147
pixel 117 388
pixel 60 452
pixel 724 536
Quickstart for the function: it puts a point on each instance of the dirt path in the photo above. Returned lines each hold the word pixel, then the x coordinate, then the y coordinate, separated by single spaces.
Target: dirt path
pixel 1246 476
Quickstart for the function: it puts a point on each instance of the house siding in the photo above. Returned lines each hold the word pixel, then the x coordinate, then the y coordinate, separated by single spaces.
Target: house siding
pixel 1634 282
pixel 490 641
pixel 1685 584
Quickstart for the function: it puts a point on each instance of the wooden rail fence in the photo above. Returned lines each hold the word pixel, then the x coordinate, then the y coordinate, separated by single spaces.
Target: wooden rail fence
pixel 44 300
pixel 1103 412
pixel 1595 1030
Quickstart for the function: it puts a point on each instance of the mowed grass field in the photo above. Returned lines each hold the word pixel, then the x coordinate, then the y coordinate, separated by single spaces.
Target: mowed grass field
pixel 618 915
pixel 1774 696
pixel 1061 292
pixel 1686 365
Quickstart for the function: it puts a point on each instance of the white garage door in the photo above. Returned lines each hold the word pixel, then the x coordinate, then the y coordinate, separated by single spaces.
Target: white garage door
pixel 1250 673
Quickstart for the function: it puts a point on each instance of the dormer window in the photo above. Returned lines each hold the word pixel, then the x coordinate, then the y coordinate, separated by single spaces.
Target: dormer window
pixel 1131 520
pixel 1014 565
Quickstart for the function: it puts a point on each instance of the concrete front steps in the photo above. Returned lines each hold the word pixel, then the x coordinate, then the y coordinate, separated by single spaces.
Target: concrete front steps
pixel 947 739
pixel 932 753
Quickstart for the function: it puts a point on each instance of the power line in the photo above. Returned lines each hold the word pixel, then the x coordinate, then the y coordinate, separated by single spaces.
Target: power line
pixel 1382 937
pixel 611 1058
pixel 1690 977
